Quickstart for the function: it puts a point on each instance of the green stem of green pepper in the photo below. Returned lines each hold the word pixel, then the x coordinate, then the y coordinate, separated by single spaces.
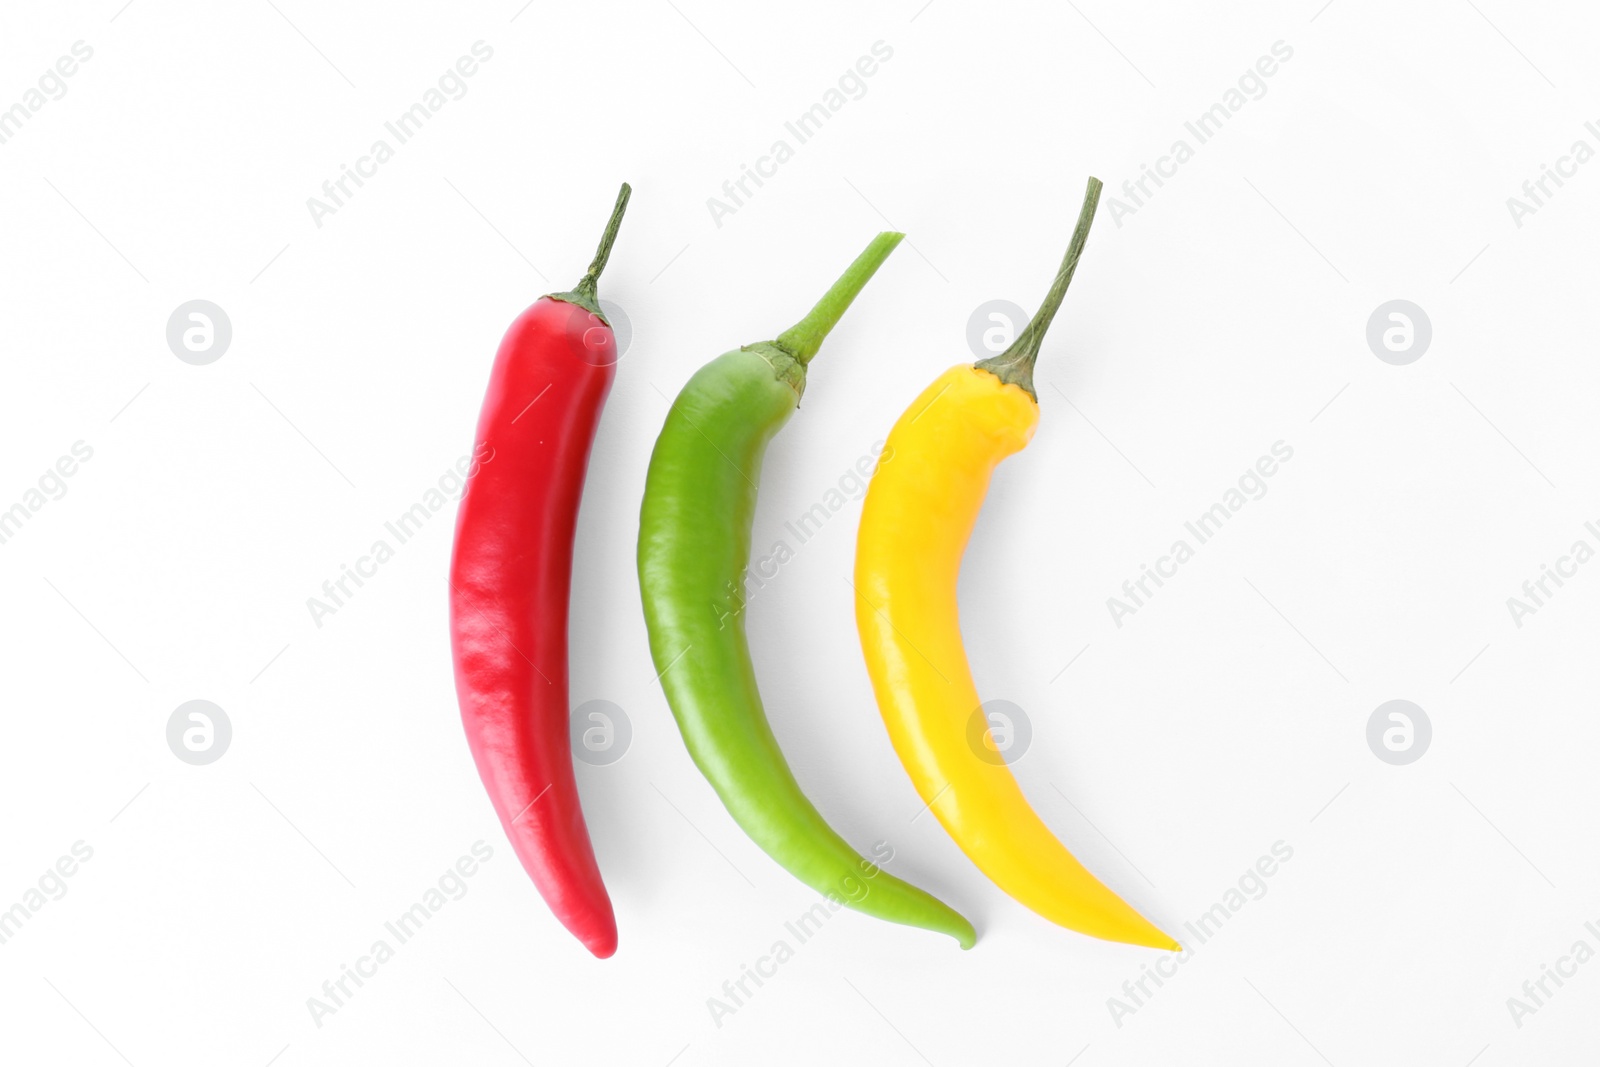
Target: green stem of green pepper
pixel 804 338
pixel 694 551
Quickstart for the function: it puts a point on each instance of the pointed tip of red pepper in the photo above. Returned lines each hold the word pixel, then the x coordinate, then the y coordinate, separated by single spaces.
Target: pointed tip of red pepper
pixel 602 943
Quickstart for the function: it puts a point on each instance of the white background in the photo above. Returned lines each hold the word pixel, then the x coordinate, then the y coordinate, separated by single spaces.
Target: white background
pixel 1230 713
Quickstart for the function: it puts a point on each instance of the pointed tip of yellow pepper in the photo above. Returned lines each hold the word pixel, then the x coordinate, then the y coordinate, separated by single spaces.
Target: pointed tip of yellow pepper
pixel 1151 936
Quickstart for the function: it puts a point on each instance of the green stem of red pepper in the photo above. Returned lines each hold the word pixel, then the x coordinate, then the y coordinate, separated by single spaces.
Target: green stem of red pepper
pixel 583 294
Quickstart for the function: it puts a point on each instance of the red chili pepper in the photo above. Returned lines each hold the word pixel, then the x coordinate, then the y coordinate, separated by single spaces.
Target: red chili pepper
pixel 509 584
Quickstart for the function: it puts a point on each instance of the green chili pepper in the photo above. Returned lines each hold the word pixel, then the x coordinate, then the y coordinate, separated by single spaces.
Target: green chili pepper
pixel 694 546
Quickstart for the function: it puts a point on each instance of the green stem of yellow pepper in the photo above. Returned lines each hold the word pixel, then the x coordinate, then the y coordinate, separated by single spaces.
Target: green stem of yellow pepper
pixel 1015 364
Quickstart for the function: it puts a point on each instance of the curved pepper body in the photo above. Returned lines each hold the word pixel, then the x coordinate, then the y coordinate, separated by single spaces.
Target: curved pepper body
pixel 694 547
pixel 915 523
pixel 510 580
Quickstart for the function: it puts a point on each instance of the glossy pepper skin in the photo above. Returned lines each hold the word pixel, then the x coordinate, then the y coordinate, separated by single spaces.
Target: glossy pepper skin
pixel 918 515
pixel 510 578
pixel 694 547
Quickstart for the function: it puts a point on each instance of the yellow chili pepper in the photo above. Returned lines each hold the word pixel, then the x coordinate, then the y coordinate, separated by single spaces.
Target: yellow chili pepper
pixel 919 512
